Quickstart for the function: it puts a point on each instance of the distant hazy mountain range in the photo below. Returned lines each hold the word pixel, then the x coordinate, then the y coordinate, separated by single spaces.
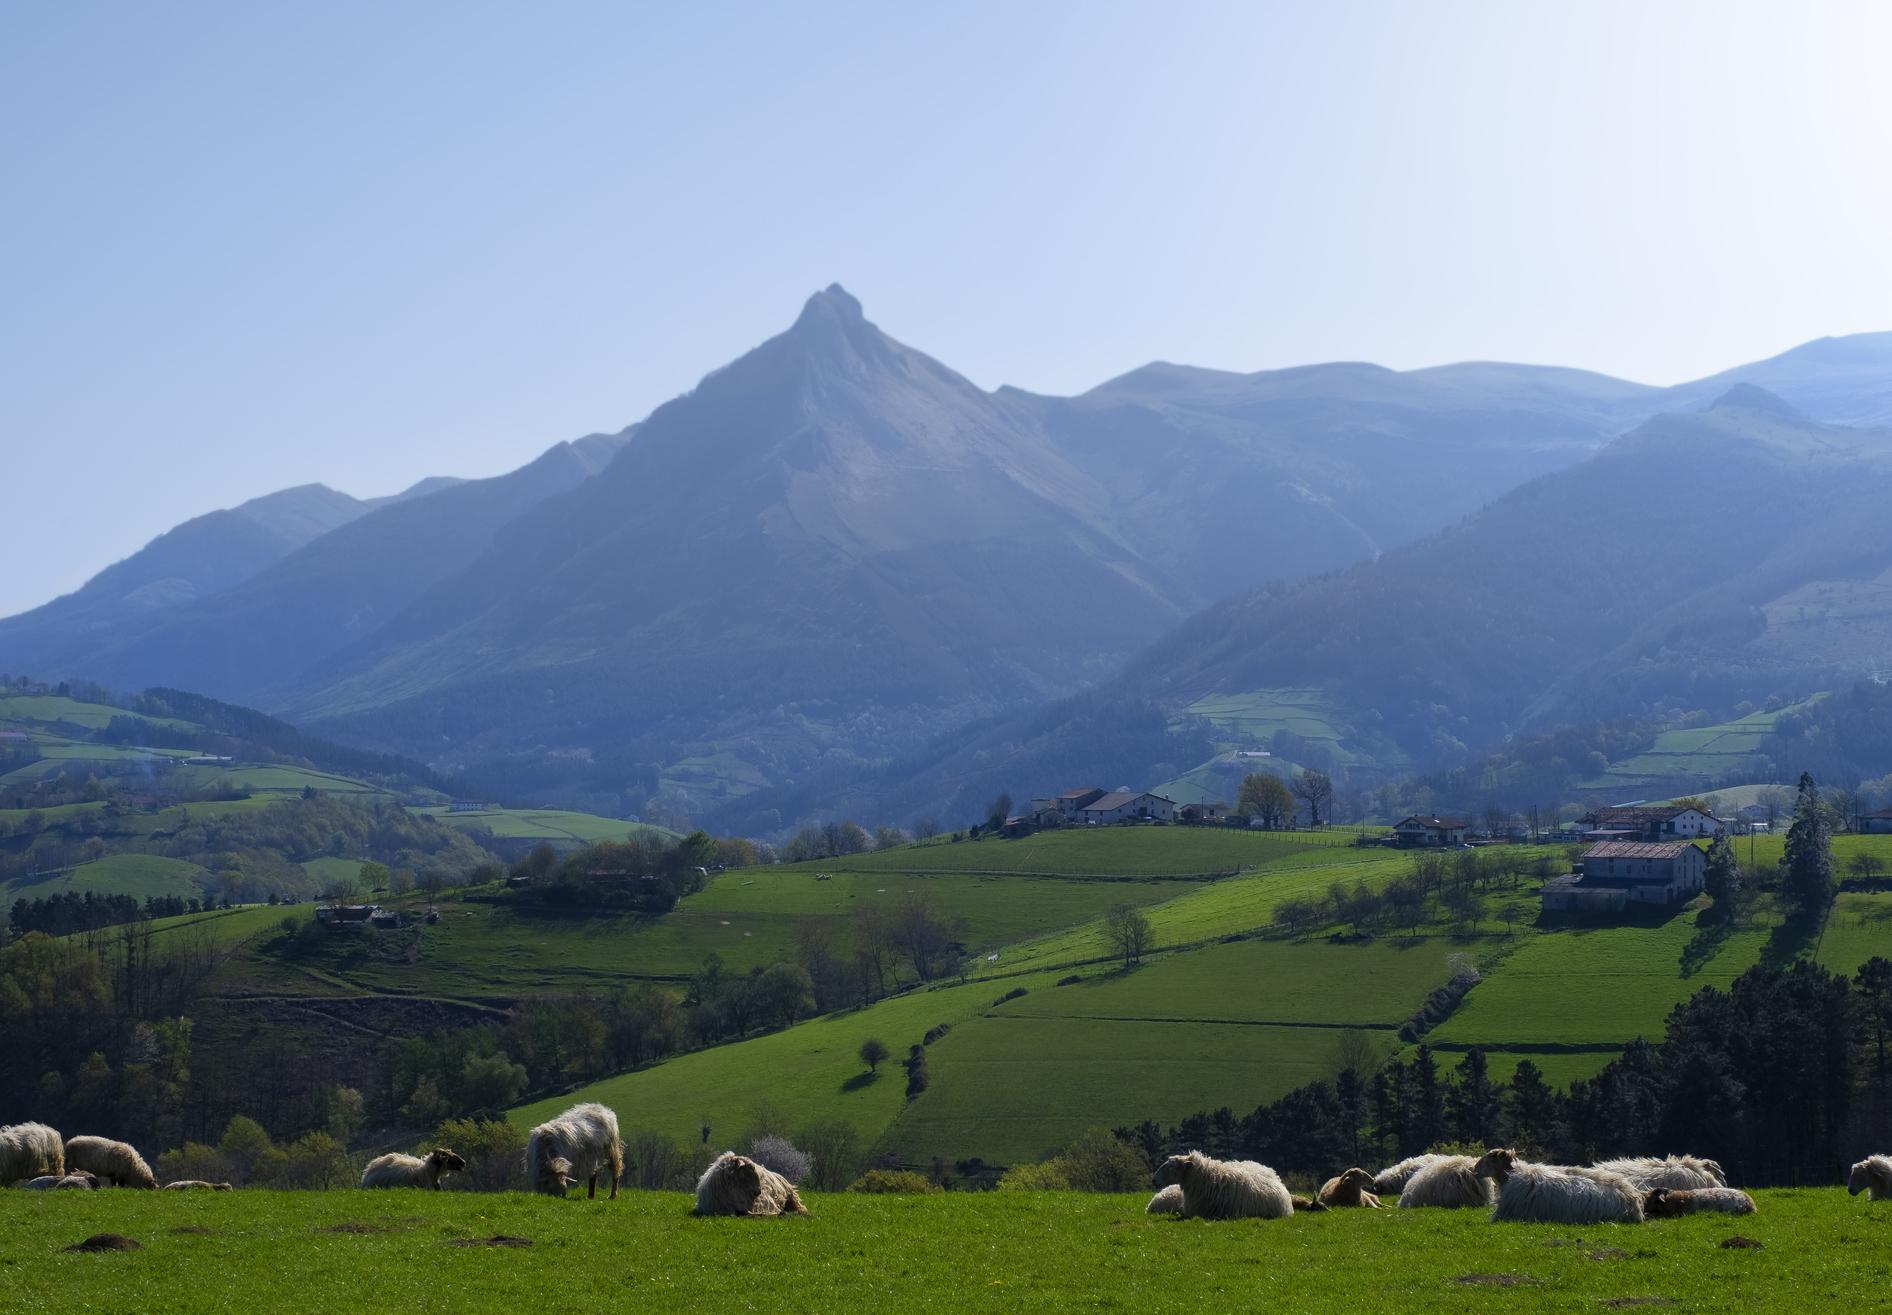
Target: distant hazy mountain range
pixel 838 568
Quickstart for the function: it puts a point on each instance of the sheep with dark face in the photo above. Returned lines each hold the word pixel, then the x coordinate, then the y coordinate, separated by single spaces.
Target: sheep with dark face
pixel 1225 1189
pixel 398 1170
pixel 737 1185
pixel 578 1146
pixel 1348 1190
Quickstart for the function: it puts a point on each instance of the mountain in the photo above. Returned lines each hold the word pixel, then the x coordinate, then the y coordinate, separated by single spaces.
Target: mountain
pixel 260 632
pixel 202 556
pixel 1706 558
pixel 1846 381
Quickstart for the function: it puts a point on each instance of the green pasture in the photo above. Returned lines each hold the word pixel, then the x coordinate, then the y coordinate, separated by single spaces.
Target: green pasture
pixel 1135 851
pixel 346 1252
pixel 138 875
pixel 1859 928
pixel 556 826
pixel 26 709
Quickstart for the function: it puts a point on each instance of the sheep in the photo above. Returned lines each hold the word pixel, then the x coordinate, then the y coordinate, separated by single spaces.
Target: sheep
pixel 1225 1189
pixel 1449 1182
pixel 1555 1194
pixel 1305 1205
pixel 197 1185
pixel 1667 1202
pixel 1349 1189
pixel 396 1170
pixel 1677 1171
pixel 1166 1202
pixel 1392 1180
pixel 113 1161
pixel 30 1150
pixel 737 1185
pixel 1873 1176
pixel 46 1182
pixel 581 1143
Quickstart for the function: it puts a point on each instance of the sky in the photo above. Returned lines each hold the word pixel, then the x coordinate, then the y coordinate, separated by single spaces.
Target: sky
pixel 246 246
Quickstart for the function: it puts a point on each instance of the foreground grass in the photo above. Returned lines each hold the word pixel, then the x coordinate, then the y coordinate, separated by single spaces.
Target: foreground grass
pixel 348 1251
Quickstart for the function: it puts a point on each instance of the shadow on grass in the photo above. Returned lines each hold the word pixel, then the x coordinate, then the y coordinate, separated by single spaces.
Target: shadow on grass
pixel 1706 943
pixel 860 1080
pixel 1791 939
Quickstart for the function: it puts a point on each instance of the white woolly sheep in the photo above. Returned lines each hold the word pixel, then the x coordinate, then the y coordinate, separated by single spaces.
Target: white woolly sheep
pixel 1392 1180
pixel 1225 1189
pixel 1348 1190
pixel 50 1181
pixel 1166 1202
pixel 397 1170
pixel 1667 1202
pixel 577 1146
pixel 113 1161
pixel 1450 1182
pixel 1557 1194
pixel 197 1185
pixel 30 1150
pixel 737 1185
pixel 1683 1172
pixel 1873 1176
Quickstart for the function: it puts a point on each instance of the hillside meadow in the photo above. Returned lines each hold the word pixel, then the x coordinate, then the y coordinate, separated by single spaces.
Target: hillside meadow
pixel 343 1252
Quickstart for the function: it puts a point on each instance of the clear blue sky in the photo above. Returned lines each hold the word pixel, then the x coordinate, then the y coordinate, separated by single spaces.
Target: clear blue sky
pixel 246 246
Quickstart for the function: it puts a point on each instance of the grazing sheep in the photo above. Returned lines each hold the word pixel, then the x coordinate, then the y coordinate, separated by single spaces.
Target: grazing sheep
pixel 1872 1175
pixel 1554 1194
pixel 1677 1171
pixel 197 1185
pixel 398 1170
pixel 30 1150
pixel 46 1182
pixel 1348 1190
pixel 1392 1180
pixel 1225 1189
pixel 1667 1202
pixel 114 1161
pixel 1450 1182
pixel 579 1144
pixel 737 1185
pixel 1166 1202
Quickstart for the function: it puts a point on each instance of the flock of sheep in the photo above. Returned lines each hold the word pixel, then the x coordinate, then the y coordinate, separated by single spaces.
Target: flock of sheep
pixel 1609 1192
pixel 583 1145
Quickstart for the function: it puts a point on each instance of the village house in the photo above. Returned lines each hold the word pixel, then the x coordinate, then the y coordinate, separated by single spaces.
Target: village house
pixel 1216 812
pixel 1658 822
pixel 1876 824
pixel 1419 830
pixel 1127 806
pixel 1069 804
pixel 1614 874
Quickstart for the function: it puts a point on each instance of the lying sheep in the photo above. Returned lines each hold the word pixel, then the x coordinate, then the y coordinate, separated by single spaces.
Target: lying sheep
pixel 1225 1189
pixel 1873 1176
pixel 197 1185
pixel 1668 1202
pixel 47 1182
pixel 737 1185
pixel 1555 1194
pixel 1677 1171
pixel 578 1145
pixel 1449 1182
pixel 1166 1202
pixel 30 1150
pixel 1392 1180
pixel 1350 1189
pixel 114 1161
pixel 397 1170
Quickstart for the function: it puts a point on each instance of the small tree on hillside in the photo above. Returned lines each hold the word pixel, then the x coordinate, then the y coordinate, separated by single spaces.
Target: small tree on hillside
pixel 1129 932
pixel 1808 859
pixel 874 1053
pixel 1315 790
pixel 1264 797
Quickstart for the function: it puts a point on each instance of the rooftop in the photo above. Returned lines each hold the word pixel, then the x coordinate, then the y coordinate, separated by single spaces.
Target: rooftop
pixel 1636 849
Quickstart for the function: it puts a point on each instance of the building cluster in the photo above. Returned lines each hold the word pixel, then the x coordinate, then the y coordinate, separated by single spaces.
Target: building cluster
pixel 1091 806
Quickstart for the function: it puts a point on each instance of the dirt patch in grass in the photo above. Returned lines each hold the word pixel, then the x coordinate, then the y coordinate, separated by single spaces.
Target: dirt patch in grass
pixel 1499 1280
pixel 1739 1243
pixel 193 1230
pixel 107 1242
pixel 1607 1253
pixel 496 1240
pixel 1625 1303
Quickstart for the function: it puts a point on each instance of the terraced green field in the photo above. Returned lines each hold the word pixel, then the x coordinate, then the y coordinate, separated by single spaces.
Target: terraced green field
pixel 28 708
pixel 138 875
pixel 1705 753
pixel 557 826
pixel 270 779
pixel 348 1252
pixel 1137 851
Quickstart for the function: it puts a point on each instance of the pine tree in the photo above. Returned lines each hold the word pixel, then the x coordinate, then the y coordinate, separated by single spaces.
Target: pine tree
pixel 1808 860
pixel 1473 1101
pixel 1428 1102
pixel 1721 878
pixel 1533 1108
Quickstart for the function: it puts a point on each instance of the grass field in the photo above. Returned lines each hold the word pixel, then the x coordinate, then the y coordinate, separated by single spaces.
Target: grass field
pixel 317 1253
pixel 1858 929
pixel 556 826
pixel 1703 753
pixel 27 708
pixel 1136 851
pixel 137 875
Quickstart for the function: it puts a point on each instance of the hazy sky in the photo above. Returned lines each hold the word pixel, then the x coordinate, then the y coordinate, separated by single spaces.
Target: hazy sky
pixel 253 245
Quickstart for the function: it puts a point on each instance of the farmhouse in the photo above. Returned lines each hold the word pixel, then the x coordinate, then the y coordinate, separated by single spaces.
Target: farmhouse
pixel 1876 824
pixel 348 917
pixel 1069 804
pixel 1218 811
pixel 1617 873
pixel 1127 806
pixel 1418 830
pixel 466 806
pixel 1655 823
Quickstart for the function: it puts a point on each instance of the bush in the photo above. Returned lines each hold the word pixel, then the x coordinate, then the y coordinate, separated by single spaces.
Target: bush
pixel 1046 1177
pixel 1100 1161
pixel 779 1154
pixel 836 1148
pixel 902 1182
pixel 195 1160
pixel 1012 994
pixel 494 1151
pixel 935 1033
pixel 655 1163
pixel 1072 980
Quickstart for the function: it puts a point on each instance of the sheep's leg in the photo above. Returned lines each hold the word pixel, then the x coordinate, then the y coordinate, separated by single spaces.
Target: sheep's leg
pixel 591 1188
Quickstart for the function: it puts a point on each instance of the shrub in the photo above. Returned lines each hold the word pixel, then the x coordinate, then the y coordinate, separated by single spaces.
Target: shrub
pixel 1072 980
pixel 1012 994
pixel 195 1160
pixel 1100 1161
pixel 1045 1177
pixel 935 1033
pixel 494 1151
pixel 836 1149
pixel 895 1182
pixel 779 1154
pixel 654 1163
